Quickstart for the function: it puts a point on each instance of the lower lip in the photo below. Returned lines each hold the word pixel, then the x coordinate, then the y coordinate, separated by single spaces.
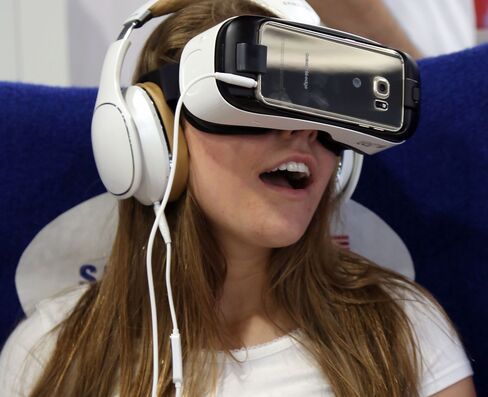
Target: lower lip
pixel 288 192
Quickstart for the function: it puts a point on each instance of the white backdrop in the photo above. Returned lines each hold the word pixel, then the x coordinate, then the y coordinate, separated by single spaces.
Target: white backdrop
pixel 94 24
pixel 62 42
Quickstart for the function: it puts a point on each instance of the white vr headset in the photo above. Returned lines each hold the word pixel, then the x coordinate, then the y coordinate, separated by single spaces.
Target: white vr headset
pixel 358 94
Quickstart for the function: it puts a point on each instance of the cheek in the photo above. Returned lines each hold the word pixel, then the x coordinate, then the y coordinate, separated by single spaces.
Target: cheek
pixel 328 163
pixel 214 177
pixel 203 171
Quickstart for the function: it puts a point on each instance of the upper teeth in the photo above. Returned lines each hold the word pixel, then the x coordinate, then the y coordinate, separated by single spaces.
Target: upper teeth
pixel 293 167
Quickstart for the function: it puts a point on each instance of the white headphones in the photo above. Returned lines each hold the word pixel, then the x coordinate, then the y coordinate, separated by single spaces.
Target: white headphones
pixel 132 129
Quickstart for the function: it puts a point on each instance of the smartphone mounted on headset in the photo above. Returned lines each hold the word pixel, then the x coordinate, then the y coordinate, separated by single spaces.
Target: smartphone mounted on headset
pixel 324 75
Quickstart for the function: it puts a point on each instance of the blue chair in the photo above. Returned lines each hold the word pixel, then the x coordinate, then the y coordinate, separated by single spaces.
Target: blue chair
pixel 433 190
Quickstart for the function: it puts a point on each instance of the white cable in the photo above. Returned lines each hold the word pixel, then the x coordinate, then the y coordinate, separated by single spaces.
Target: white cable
pixel 162 223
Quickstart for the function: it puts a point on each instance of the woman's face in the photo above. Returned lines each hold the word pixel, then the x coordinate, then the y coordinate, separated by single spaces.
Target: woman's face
pixel 246 202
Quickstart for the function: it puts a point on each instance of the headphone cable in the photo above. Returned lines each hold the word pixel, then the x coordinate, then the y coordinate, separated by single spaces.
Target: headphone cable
pixel 161 223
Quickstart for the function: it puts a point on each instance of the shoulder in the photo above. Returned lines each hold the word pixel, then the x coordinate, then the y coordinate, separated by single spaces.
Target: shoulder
pixel 441 355
pixel 30 345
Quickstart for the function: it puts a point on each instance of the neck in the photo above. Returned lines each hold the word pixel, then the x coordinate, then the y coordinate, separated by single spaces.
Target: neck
pixel 245 281
pixel 242 302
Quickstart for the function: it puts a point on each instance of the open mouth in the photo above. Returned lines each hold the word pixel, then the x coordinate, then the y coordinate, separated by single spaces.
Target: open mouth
pixel 290 175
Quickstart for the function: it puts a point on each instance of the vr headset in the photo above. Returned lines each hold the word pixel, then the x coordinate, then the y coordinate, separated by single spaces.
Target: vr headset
pixel 358 94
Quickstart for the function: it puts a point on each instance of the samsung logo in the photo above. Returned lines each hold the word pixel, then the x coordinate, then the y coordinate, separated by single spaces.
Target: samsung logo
pixel 307 72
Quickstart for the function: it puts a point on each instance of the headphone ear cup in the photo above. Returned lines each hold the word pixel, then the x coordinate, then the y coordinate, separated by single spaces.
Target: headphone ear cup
pixel 116 146
pixel 154 150
pixel 348 174
pixel 155 173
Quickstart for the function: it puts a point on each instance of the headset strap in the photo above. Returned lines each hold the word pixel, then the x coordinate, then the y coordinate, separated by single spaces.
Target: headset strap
pixel 167 77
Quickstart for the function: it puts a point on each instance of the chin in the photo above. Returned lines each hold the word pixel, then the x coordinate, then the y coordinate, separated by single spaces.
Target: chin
pixel 286 242
pixel 283 236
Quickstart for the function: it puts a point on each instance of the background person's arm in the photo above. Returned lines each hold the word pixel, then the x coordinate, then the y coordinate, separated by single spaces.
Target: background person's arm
pixel 370 19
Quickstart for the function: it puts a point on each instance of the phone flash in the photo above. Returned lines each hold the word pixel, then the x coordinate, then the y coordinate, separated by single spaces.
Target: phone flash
pixel 381 105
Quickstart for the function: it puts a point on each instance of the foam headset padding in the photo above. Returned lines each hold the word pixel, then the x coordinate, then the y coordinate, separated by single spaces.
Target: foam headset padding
pixel 167 120
pixel 165 7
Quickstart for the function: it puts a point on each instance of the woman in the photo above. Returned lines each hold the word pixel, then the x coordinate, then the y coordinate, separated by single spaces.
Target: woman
pixel 254 266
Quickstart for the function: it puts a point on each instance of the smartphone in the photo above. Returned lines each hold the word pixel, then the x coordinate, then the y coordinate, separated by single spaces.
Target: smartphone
pixel 326 75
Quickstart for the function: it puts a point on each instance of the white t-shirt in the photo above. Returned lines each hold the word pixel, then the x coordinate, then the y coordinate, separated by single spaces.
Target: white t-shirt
pixel 278 368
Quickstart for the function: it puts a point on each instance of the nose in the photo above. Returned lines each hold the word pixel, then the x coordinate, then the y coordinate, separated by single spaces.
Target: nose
pixel 309 135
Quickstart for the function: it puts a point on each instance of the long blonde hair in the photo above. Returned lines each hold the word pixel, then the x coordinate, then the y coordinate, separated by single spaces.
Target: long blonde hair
pixel 357 332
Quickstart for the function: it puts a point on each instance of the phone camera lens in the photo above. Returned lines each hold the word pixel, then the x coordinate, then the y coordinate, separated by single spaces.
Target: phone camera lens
pixel 381 87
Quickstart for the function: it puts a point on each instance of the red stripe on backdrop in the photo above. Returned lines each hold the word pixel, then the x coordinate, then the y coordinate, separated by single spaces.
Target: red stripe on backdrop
pixel 342 240
pixel 481 13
